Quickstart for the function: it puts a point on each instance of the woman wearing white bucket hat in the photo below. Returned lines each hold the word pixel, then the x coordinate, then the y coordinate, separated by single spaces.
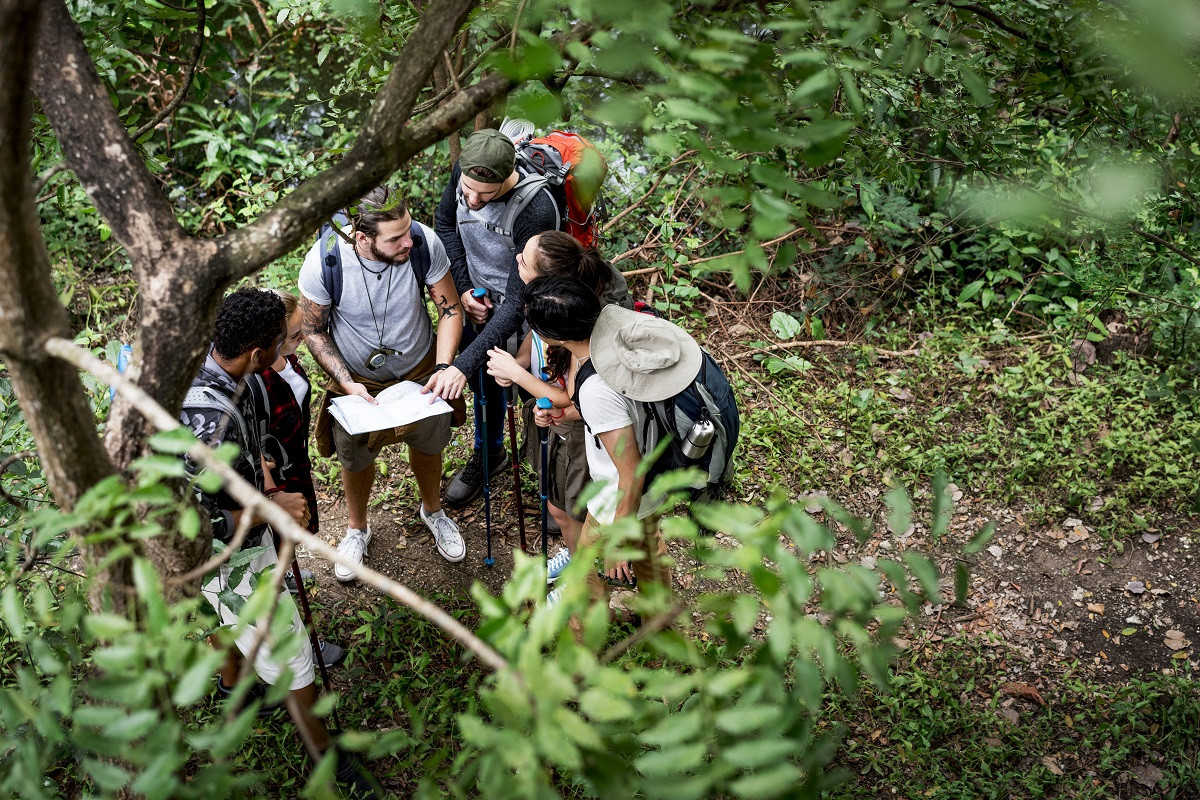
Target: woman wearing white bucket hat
pixel 636 358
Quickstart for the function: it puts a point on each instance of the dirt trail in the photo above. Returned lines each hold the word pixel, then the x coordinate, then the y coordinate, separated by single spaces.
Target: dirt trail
pixel 1053 593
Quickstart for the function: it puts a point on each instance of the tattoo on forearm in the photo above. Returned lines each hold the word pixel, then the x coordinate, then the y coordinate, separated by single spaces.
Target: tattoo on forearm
pixel 314 323
pixel 446 307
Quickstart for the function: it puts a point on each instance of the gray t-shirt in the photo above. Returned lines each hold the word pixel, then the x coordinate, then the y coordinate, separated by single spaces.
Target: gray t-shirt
pixel 400 321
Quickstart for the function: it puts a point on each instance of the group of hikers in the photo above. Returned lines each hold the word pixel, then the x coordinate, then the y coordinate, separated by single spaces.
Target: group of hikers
pixel 524 311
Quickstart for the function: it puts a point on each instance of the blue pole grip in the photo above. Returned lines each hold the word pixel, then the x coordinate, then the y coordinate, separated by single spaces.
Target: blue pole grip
pixel 544 403
pixel 478 292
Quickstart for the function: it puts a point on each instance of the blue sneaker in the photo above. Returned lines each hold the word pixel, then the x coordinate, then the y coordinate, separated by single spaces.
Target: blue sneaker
pixel 556 565
pixel 554 597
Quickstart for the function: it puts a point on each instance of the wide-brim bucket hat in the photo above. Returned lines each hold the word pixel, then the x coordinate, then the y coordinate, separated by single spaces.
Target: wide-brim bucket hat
pixel 643 357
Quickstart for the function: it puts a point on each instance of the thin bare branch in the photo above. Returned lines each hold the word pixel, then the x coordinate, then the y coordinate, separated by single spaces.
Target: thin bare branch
pixel 662 173
pixel 220 558
pixel 253 501
pixel 177 100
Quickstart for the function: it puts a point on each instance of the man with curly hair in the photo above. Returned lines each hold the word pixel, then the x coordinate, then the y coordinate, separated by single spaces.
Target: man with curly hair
pixel 218 409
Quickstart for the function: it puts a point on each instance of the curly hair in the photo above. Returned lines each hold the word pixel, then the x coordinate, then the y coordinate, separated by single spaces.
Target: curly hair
pixel 248 318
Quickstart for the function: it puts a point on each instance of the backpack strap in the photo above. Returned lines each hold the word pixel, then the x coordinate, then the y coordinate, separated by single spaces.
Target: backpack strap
pixel 205 397
pixel 419 259
pixel 586 370
pixel 331 255
pixel 522 195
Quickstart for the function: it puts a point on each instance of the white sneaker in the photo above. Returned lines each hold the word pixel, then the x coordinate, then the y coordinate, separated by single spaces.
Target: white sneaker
pixel 446 535
pixel 557 563
pixel 353 546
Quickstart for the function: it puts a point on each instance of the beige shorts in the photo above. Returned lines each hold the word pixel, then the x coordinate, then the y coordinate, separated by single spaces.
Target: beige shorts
pixel 355 453
pixel 267 665
pixel 567 458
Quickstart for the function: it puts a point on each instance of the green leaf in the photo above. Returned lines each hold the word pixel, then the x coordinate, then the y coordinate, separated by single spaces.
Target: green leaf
pixel 785 326
pixel 673 760
pixel 673 729
pixel 196 681
pixel 106 626
pixel 13 611
pixel 577 729
pixel 176 441
pixel 604 706
pixel 981 539
pixel 780 779
pixel 976 85
pixel 970 290
pixel 924 571
pixel 943 504
pixel 741 720
pixel 899 510
pixel 109 777
pixel 962 582
pixel 758 752
pixel 132 726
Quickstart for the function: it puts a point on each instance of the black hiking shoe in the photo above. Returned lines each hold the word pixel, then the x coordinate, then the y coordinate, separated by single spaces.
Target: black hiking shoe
pixel 467 484
pixel 352 777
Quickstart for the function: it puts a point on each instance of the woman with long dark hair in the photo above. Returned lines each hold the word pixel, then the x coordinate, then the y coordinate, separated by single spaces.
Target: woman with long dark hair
pixel 540 370
pixel 566 313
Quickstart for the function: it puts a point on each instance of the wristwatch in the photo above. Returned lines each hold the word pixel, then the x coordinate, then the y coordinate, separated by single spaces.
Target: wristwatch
pixel 440 367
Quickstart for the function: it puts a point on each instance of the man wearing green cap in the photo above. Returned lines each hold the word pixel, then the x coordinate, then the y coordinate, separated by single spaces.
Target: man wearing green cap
pixel 489 210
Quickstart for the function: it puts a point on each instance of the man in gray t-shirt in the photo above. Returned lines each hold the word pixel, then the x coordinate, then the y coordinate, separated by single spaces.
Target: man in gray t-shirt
pixel 378 331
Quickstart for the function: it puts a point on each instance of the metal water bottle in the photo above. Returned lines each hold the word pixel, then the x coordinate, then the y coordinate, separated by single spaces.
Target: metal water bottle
pixel 698 439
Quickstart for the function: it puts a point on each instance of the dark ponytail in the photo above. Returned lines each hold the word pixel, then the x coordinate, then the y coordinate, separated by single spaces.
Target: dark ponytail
pixel 563 256
pixel 561 308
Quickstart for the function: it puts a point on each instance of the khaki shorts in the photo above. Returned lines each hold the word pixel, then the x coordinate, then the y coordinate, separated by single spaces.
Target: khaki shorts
pixel 428 436
pixel 567 458
pixel 268 665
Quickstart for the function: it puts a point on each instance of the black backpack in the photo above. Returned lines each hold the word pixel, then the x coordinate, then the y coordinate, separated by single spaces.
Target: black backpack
pixel 707 396
pixel 331 256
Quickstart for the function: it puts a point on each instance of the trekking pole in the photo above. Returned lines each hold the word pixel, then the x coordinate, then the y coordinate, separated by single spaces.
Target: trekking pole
pixel 302 593
pixel 509 403
pixel 544 404
pixel 483 450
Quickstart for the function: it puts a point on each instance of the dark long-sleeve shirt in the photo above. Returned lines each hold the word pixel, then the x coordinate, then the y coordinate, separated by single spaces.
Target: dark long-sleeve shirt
pixel 507 317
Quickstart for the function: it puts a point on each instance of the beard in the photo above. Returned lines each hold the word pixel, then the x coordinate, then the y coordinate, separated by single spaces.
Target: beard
pixel 385 259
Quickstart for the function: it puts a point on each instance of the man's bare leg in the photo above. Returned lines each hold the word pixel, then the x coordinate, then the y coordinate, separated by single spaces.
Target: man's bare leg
pixel 358 490
pixel 428 469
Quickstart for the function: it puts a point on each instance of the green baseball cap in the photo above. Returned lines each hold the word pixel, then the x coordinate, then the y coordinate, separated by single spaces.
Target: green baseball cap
pixel 487 155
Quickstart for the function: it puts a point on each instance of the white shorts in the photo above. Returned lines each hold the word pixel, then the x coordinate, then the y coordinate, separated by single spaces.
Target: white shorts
pixel 301 664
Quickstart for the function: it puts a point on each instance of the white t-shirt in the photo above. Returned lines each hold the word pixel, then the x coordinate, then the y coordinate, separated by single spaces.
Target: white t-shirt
pixel 381 305
pixel 604 410
pixel 296 381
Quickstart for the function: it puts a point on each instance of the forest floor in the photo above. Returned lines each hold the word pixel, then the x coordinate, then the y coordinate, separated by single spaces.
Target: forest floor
pixel 1090 581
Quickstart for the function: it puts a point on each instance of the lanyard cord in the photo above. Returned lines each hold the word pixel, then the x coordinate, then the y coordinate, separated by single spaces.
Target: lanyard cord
pixel 370 304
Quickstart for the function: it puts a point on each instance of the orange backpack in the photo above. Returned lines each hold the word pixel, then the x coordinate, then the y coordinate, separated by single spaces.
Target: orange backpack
pixel 569 161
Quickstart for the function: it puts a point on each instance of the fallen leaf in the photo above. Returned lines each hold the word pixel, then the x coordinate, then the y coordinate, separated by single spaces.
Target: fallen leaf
pixel 1049 763
pixel 1151 538
pixel 1009 714
pixel 1135 587
pixel 996 550
pixel 1023 690
pixel 1147 775
pixel 991 742
pixel 1175 640
pixel 1077 534
pixel 1096 608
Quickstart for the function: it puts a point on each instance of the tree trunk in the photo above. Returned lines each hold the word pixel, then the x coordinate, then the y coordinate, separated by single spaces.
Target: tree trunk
pixel 52 397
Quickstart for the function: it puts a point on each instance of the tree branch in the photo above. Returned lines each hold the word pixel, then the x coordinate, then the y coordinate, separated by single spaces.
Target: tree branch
pixel 990 16
pixel 252 500
pixel 294 218
pixel 170 107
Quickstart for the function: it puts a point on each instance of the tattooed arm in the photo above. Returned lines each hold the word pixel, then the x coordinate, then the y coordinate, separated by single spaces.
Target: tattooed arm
pixel 314 323
pixel 447 383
